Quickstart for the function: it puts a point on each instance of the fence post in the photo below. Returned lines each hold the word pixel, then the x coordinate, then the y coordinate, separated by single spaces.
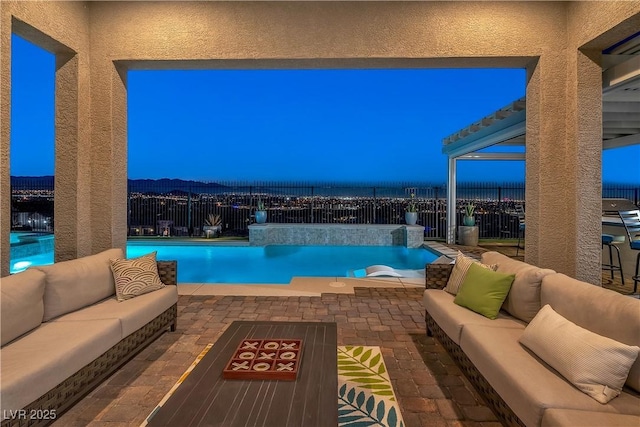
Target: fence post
pixel 311 205
pixel 436 215
pixel 375 203
pixel 189 223
pixel 499 212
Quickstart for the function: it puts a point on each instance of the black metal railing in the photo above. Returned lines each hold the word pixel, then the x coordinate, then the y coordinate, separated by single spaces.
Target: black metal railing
pixel 182 208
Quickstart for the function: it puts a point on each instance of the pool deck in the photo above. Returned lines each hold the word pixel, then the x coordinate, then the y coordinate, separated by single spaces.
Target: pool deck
pixel 299 286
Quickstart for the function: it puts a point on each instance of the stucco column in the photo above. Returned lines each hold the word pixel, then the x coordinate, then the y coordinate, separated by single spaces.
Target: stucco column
pixel 72 214
pixel 109 156
pixel 564 146
pixel 5 132
pixel 585 145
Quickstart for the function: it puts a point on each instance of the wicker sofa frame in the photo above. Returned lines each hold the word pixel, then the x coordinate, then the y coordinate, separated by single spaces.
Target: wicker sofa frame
pixel 66 394
pixel 436 278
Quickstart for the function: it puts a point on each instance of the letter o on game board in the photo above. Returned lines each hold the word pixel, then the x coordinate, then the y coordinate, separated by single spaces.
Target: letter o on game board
pixel 261 366
pixel 246 355
pixel 271 345
pixel 288 355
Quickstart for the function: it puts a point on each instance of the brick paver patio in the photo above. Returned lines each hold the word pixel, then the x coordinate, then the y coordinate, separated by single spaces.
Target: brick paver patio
pixel 430 388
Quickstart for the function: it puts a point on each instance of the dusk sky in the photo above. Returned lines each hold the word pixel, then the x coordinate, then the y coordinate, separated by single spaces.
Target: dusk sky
pixel 286 125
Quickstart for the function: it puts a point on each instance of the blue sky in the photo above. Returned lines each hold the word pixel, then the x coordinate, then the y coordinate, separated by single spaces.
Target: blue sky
pixel 285 125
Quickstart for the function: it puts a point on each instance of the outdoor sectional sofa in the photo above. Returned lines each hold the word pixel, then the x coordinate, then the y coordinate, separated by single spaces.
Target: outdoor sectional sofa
pixel 64 332
pixel 518 385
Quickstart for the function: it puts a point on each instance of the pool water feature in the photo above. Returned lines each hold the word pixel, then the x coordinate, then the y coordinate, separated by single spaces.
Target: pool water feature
pixel 205 263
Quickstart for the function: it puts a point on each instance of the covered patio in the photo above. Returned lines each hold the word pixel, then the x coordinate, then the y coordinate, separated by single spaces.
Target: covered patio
pixel 95 43
pixel 560 44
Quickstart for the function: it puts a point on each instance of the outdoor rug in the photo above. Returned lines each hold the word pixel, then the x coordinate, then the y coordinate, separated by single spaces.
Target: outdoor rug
pixel 365 393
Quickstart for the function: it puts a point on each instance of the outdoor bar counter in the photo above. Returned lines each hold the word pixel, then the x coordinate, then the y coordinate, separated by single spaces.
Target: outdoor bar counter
pixel 613 225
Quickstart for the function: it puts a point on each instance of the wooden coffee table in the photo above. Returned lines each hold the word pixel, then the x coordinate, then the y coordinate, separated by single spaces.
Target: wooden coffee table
pixel 205 398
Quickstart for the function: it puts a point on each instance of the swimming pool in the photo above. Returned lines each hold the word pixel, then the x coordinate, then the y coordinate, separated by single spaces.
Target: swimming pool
pixel 279 263
pixel 269 264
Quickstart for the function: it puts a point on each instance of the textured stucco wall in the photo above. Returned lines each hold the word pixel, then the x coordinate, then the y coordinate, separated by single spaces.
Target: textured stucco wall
pixel 564 141
pixel 60 28
pixel 589 34
pixel 292 34
pixel 192 30
pixel 562 157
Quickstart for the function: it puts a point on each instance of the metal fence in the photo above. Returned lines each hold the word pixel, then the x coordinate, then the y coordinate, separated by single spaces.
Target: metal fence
pixel 181 208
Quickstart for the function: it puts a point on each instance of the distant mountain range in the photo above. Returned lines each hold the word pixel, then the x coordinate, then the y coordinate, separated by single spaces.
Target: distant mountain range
pixel 172 186
pixel 183 187
pixel 160 186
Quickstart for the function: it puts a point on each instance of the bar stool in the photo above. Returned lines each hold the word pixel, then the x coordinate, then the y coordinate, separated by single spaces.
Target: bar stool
pixel 612 241
pixel 631 222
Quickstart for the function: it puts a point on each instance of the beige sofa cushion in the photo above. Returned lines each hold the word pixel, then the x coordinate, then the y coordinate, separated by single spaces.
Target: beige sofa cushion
pixel 21 303
pixel 74 284
pixel 596 365
pixel 527 384
pixel 42 359
pixel 599 310
pixel 523 300
pixel 571 417
pixel 452 318
pixel 133 313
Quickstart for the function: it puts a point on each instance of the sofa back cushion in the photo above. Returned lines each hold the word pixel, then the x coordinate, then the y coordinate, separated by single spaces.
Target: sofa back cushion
pixel 523 300
pixel 71 285
pixel 599 310
pixel 21 304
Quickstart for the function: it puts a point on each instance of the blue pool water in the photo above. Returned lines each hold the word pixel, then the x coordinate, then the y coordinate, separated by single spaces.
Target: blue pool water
pixel 278 264
pixel 200 263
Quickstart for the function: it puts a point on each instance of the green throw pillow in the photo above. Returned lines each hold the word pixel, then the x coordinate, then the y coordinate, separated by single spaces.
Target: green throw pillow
pixel 484 291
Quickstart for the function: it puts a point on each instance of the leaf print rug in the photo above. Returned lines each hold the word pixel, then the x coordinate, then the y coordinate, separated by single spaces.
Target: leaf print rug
pixel 365 394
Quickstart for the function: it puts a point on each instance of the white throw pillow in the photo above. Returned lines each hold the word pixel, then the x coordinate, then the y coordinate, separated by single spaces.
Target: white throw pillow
pixel 136 276
pixel 596 365
pixel 459 272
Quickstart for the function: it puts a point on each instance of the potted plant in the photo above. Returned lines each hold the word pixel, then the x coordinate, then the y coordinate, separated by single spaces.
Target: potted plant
pixel 261 213
pixel 212 226
pixel 411 214
pixel 469 220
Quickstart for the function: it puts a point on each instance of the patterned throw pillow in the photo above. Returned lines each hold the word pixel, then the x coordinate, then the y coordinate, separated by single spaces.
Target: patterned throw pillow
pixel 135 276
pixel 459 272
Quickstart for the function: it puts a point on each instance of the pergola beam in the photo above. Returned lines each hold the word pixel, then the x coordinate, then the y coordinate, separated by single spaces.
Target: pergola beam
pixel 623 141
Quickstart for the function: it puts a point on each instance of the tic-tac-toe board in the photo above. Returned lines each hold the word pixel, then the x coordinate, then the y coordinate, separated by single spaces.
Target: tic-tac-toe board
pixel 265 359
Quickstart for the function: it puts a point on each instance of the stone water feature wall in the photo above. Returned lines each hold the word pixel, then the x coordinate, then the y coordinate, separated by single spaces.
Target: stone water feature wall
pixel 411 236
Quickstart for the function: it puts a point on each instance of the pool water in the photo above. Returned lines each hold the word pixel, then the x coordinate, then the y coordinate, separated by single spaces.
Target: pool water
pixel 265 264
pixel 279 263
